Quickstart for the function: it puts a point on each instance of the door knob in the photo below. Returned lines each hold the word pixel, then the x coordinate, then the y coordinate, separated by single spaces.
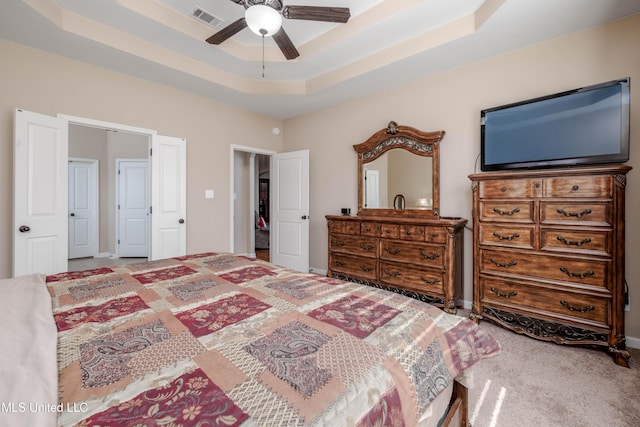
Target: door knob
pixel 305 217
pixel 24 229
pixel 72 214
pixel 181 221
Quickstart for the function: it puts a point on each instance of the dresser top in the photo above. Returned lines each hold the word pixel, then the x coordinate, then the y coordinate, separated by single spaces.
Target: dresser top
pixel 614 169
pixel 435 221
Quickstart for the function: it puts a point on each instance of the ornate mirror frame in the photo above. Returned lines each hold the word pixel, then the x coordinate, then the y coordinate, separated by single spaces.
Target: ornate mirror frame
pixel 425 144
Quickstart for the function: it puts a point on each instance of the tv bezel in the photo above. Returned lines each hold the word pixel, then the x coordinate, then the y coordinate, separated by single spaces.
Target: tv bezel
pixel 621 157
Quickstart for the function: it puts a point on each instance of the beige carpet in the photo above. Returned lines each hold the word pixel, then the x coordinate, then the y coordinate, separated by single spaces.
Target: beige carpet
pixel 535 383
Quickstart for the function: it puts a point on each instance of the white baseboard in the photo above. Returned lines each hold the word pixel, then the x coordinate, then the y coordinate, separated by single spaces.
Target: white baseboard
pixel 319 271
pixel 633 342
pixel 104 255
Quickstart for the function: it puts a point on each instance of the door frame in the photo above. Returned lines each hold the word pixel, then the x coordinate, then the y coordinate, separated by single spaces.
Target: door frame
pixel 117 199
pixel 253 188
pixel 95 168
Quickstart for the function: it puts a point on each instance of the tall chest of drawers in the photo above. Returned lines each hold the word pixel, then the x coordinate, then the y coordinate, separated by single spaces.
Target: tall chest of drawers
pixel 549 254
pixel 421 258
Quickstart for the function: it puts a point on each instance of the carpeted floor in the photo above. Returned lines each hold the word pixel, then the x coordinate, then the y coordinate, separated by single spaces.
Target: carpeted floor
pixel 535 383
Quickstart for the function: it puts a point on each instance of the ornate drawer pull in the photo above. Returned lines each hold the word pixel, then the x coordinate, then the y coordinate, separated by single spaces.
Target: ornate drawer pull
pixel 575 188
pixel 579 310
pixel 579 275
pixel 393 251
pixel 365 268
pixel 500 264
pixel 338 243
pixel 573 242
pixel 429 281
pixel 427 256
pixel 500 294
pixel 501 212
pixel 501 237
pixel 366 247
pixel 574 214
pixel 391 273
pixel 340 263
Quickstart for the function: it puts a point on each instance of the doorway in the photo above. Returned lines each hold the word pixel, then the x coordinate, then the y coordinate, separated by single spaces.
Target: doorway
pixel 251 203
pixel 107 146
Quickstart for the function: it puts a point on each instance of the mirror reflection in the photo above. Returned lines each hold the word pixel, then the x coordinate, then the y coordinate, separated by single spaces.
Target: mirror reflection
pixel 398 180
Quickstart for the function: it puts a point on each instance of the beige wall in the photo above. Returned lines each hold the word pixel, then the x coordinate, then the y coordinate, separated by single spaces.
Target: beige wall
pixel 452 101
pixel 50 84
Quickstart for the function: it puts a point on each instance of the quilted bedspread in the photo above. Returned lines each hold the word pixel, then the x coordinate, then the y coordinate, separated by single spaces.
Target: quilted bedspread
pixel 216 339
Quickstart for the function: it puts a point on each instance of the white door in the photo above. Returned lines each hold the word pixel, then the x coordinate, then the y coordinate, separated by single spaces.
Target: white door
pixel 371 189
pixel 133 208
pixel 40 194
pixel 290 213
pixel 83 208
pixel 168 197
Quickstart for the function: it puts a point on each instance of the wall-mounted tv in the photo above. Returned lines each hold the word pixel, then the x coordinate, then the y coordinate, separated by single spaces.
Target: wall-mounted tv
pixel 589 125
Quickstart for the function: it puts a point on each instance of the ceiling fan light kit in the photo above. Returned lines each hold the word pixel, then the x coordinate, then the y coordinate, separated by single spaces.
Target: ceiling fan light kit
pixel 263 20
pixel 264 17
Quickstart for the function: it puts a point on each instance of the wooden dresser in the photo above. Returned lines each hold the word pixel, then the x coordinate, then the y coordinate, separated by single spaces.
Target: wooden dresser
pixel 418 257
pixel 549 254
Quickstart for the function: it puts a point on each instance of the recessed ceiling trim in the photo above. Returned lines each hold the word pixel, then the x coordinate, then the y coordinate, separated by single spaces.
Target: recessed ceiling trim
pixel 104 34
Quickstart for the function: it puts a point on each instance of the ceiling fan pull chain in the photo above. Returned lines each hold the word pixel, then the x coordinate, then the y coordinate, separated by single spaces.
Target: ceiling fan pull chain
pixel 263 32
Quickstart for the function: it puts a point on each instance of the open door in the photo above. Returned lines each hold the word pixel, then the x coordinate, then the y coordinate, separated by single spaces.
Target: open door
pixel 290 210
pixel 168 197
pixel 40 194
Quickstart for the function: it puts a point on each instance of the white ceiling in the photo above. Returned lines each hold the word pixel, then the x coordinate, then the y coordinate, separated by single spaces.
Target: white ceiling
pixel 385 43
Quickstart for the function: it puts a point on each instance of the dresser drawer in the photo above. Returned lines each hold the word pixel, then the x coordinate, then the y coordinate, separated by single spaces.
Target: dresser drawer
pixel 360 267
pixel 362 246
pixel 583 271
pixel 344 227
pixel 511 211
pixel 581 307
pixel 592 213
pixel 435 234
pixel 416 279
pixel 511 188
pixel 422 254
pixel 594 186
pixel 412 232
pixel 506 235
pixel 392 231
pixel 587 241
pixel 370 229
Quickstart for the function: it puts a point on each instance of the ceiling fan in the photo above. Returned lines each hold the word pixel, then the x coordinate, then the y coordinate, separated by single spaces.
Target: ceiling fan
pixel 264 17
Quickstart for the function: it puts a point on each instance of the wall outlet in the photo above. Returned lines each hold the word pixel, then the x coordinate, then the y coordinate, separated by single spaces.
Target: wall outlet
pixel 208 194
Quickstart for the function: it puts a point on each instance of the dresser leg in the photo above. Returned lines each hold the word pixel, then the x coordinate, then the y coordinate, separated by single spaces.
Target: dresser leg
pixel 475 316
pixel 620 356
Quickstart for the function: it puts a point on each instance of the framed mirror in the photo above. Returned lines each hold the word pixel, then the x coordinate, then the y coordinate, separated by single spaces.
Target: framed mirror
pixel 398 172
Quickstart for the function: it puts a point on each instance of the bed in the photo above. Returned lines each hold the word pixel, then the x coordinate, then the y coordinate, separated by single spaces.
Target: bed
pixel 218 339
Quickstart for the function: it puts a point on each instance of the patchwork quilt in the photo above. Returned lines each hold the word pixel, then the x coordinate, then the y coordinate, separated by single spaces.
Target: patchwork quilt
pixel 217 339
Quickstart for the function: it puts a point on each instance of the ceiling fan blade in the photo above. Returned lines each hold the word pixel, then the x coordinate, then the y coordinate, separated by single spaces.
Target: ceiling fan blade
pixel 227 31
pixel 317 13
pixel 285 44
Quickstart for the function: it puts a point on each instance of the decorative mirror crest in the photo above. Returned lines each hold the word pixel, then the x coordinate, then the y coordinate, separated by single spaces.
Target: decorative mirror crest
pixel 399 142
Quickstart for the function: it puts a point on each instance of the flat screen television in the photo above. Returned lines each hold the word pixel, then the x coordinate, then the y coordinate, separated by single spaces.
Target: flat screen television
pixel 589 125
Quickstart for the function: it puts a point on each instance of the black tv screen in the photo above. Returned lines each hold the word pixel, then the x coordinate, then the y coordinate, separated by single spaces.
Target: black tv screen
pixel 588 125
